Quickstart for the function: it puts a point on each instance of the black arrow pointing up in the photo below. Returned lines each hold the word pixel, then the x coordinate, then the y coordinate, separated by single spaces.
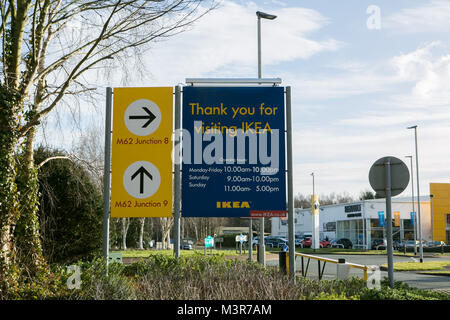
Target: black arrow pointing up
pixel 141 171
pixel 149 116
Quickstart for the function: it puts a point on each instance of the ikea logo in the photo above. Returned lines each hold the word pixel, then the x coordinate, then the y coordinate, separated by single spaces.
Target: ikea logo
pixel 232 204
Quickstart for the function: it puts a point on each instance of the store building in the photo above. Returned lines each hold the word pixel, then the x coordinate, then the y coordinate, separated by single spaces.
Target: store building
pixel 440 205
pixel 362 221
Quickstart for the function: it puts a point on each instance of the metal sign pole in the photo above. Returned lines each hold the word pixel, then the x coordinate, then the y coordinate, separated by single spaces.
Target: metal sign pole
pixel 250 240
pixel 262 247
pixel 107 174
pixel 291 226
pixel 176 180
pixel 389 223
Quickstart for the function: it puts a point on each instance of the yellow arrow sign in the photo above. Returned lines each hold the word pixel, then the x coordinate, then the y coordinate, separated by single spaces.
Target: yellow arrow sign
pixel 141 170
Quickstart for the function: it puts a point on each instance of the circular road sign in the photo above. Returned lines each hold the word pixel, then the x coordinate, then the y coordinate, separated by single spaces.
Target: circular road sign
pixel 141 179
pixel 399 176
pixel 142 117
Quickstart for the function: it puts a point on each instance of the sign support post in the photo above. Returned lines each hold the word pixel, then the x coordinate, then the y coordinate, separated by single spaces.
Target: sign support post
pixel 390 256
pixel 107 174
pixel 250 240
pixel 262 246
pixel 176 179
pixel 291 226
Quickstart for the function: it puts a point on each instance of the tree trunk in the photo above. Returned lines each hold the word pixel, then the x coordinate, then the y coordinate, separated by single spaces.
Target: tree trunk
pixel 28 244
pixel 9 199
pixel 141 233
pixel 125 225
pixel 166 224
pixel 9 210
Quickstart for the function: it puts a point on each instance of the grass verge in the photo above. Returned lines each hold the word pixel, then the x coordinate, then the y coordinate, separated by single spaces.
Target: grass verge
pixel 417 266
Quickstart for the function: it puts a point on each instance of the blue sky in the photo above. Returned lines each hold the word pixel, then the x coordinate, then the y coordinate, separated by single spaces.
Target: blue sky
pixel 355 89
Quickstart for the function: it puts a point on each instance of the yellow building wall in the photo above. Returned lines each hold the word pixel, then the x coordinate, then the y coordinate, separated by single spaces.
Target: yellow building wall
pixel 441 207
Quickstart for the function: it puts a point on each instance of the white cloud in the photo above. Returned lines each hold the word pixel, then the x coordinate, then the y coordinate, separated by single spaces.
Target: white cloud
pixel 225 40
pixel 431 17
pixel 431 75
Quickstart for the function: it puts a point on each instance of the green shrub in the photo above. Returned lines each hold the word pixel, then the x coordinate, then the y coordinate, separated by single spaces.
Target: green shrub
pixel 70 209
pixel 199 277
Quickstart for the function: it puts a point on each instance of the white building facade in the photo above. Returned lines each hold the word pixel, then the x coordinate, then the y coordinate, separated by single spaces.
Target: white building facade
pixel 360 221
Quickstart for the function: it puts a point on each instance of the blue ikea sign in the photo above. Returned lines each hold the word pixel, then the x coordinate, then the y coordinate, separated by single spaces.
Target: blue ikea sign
pixel 233 152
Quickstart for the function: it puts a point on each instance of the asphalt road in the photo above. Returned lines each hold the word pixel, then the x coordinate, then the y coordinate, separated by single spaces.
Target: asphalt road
pixel 414 279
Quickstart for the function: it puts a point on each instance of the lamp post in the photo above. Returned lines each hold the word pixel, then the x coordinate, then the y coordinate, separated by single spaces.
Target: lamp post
pixel 412 200
pixel 261 15
pixel 418 197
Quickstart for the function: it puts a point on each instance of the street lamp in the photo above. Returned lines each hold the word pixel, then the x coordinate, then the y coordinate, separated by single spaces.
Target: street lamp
pixel 267 16
pixel 412 200
pixel 418 196
pixel 263 15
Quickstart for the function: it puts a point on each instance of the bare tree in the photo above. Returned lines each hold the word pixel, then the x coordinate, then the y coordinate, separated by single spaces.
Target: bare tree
pixel 49 47
pixel 166 225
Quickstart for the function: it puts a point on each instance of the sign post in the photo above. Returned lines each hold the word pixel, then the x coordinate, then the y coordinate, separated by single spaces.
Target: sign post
pixel 389 177
pixel 315 244
pixel 177 172
pixel 209 243
pixel 290 168
pixel 107 175
pixel 390 254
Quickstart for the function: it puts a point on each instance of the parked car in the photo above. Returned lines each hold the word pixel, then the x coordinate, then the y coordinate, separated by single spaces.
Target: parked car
pixel 325 244
pixel 398 245
pixel 186 246
pixel 298 240
pixel 410 244
pixel 306 242
pixel 255 240
pixel 379 244
pixel 342 243
pixel 432 244
pixel 276 241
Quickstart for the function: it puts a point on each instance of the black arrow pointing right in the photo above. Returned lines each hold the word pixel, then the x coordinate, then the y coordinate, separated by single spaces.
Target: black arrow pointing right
pixel 149 116
pixel 141 171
